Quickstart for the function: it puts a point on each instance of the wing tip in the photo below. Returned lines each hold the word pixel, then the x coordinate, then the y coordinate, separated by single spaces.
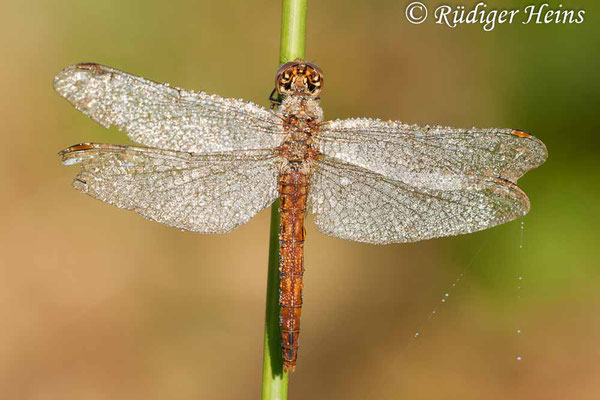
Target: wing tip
pixel 92 67
pixel 539 151
pixel 520 203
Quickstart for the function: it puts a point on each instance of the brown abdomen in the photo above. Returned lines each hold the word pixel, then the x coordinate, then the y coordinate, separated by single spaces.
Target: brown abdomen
pixel 293 189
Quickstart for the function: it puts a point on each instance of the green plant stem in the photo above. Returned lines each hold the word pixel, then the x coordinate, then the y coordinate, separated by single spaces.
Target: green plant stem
pixel 275 380
pixel 293 30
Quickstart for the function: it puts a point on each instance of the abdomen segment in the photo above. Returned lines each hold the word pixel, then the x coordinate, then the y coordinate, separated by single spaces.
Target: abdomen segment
pixel 293 189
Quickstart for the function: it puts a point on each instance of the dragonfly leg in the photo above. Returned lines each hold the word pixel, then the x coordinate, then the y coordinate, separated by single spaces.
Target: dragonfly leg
pixel 274 99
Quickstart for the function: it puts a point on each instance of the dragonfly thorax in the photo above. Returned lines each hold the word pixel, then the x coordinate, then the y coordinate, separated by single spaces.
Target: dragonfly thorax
pixel 301 116
pixel 299 110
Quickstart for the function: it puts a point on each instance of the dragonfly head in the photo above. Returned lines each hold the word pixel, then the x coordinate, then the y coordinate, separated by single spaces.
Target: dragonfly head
pixel 299 77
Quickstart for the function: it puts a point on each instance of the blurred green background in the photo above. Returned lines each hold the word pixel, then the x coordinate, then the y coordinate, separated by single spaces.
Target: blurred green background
pixel 99 303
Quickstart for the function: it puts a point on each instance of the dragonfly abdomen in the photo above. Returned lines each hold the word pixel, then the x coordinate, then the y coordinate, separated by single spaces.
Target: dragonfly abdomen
pixel 293 191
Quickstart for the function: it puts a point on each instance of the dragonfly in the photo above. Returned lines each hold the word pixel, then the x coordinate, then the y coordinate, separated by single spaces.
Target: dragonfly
pixel 208 164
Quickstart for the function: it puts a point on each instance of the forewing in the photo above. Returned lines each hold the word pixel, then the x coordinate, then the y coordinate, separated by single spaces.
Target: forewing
pixel 352 203
pixel 201 193
pixel 420 156
pixel 162 116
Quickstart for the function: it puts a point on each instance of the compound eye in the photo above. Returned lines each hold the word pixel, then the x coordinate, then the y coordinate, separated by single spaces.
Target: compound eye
pixel 287 76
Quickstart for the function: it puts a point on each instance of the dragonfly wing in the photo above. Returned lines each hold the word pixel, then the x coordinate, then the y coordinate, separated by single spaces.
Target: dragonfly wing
pixel 163 116
pixel 202 193
pixel 419 156
pixel 353 203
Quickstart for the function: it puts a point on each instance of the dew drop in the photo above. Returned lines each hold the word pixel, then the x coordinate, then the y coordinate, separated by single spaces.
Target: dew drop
pixel 518 331
pixel 521 238
pixel 417 334
pixel 446 294
pixel 519 358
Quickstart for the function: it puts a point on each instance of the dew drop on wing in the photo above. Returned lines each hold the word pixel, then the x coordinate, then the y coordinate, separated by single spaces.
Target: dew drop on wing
pixel 345 181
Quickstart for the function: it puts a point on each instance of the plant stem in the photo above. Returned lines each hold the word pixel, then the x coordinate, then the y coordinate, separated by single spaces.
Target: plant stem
pixel 293 30
pixel 275 380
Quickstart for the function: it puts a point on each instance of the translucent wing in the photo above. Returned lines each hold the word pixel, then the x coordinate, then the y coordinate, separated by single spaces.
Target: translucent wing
pixel 353 203
pixel 162 116
pixel 420 156
pixel 201 193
